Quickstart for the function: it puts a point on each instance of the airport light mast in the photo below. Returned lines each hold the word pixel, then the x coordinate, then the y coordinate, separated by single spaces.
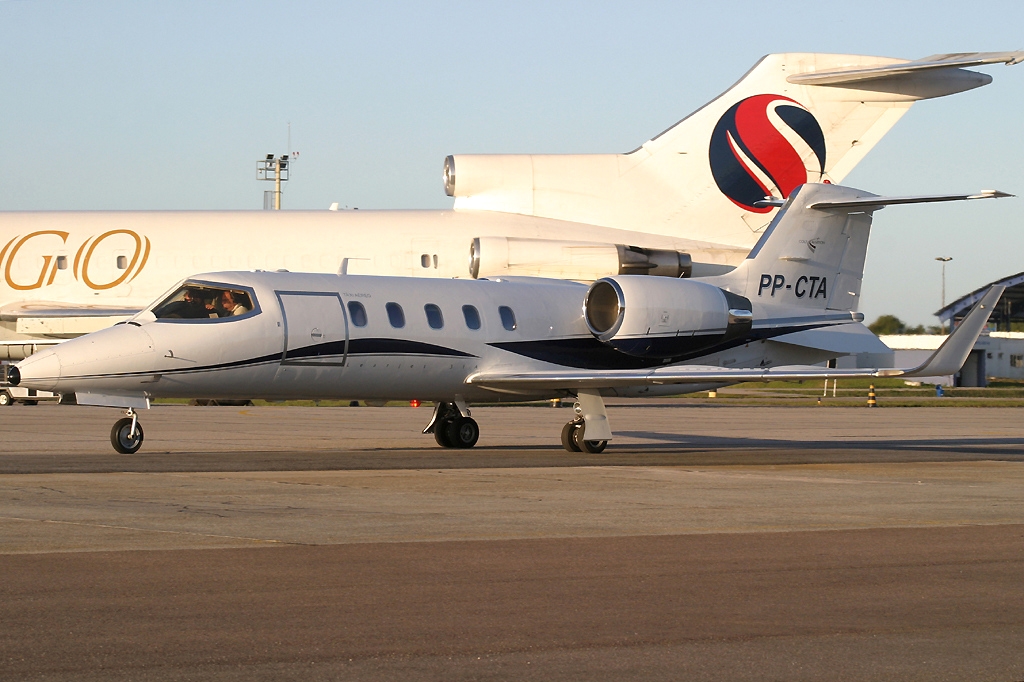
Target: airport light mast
pixel 944 260
pixel 276 169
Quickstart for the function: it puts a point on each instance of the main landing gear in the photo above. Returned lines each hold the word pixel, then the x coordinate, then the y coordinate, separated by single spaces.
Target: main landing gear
pixel 591 420
pixel 573 438
pixel 452 426
pixel 126 436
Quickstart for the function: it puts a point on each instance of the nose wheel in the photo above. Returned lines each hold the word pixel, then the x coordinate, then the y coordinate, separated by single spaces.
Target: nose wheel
pixel 126 436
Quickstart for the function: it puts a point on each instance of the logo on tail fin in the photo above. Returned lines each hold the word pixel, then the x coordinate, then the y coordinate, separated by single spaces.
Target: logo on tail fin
pixel 747 148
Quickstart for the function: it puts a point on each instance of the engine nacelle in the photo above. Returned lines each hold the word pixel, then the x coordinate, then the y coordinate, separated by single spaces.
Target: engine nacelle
pixel 514 256
pixel 651 317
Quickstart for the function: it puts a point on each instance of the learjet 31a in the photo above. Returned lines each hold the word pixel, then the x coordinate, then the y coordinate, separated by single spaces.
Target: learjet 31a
pixel 289 335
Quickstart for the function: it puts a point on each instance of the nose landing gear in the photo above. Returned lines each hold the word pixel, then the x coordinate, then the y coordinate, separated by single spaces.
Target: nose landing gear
pixel 452 426
pixel 126 436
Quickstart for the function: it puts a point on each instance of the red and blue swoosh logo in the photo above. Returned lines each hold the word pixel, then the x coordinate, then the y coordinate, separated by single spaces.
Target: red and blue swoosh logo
pixel 746 136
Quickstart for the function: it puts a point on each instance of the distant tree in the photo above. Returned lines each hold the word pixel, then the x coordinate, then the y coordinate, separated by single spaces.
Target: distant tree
pixel 890 324
pixel 887 324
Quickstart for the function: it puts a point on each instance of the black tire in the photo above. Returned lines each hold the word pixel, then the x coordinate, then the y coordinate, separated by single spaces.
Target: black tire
pixel 591 446
pixel 441 433
pixel 462 432
pixel 568 435
pixel 121 441
pixel 5 399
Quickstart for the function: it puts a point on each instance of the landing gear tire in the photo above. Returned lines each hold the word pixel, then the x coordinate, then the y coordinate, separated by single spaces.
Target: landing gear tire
pixel 572 438
pixel 569 435
pixel 6 399
pixel 462 432
pixel 123 440
pixel 591 446
pixel 441 433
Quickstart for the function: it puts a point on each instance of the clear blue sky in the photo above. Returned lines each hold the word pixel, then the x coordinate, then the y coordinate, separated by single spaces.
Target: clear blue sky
pixel 140 104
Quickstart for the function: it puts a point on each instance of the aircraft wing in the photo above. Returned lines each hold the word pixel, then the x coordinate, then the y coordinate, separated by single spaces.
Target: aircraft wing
pixel 948 359
pixel 957 60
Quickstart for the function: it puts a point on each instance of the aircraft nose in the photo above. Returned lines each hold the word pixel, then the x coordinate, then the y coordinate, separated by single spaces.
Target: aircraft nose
pixel 39 371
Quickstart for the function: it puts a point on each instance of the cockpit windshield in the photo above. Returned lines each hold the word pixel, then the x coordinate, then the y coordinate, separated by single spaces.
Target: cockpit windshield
pixel 200 301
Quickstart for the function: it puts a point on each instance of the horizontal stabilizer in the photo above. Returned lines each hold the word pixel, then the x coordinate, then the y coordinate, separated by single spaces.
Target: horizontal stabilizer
pixel 957 60
pixel 948 359
pixel 874 203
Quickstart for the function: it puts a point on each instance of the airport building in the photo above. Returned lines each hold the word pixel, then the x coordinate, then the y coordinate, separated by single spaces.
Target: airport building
pixel 999 353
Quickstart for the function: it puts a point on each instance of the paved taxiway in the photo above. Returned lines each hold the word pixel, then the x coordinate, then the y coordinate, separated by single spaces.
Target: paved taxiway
pixel 338 543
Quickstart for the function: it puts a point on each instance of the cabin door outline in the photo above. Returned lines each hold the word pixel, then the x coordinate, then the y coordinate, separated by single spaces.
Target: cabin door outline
pixel 315 328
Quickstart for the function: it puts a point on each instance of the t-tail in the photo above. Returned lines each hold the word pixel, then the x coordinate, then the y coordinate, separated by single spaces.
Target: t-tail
pixel 792 119
pixel 812 254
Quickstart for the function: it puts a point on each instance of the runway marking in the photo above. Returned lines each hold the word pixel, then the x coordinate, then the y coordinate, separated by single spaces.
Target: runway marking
pixel 156 530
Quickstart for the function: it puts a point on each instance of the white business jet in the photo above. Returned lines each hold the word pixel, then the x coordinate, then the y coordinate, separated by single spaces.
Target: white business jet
pixel 684 203
pixel 288 335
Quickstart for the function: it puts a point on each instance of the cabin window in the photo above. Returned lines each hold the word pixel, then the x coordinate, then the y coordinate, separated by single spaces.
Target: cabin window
pixel 201 301
pixel 425 260
pixel 1017 361
pixel 508 318
pixel 62 262
pixel 396 316
pixel 472 316
pixel 122 262
pixel 358 313
pixel 434 317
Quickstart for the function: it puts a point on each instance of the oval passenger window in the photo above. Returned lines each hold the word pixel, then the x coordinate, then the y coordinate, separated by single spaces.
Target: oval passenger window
pixel 508 318
pixel 357 312
pixel 434 318
pixel 472 316
pixel 396 316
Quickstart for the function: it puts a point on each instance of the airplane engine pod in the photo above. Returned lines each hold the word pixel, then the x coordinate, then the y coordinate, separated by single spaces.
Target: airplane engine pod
pixel 651 317
pixel 512 256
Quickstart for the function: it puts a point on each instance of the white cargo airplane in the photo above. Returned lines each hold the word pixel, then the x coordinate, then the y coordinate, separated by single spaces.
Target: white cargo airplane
pixel 285 335
pixel 683 203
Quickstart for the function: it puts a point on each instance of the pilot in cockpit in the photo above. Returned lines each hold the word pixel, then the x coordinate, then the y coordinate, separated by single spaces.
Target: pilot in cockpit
pixel 231 305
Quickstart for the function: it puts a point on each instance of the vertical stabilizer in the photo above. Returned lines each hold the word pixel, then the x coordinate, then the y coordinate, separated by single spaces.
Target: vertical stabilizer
pixel 792 119
pixel 808 257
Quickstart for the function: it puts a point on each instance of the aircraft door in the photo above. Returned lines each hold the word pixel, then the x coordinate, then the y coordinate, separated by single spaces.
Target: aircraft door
pixel 315 328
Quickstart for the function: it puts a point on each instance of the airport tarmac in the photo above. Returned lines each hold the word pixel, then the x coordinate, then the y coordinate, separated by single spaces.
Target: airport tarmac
pixel 708 542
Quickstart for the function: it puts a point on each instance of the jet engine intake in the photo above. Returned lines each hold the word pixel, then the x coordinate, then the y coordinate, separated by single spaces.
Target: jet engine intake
pixel 514 256
pixel 653 317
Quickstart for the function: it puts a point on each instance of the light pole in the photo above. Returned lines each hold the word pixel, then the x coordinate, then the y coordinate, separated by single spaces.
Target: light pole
pixel 943 260
pixel 276 170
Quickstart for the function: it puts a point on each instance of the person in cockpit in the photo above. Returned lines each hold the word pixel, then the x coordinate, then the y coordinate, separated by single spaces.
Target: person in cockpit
pixel 230 305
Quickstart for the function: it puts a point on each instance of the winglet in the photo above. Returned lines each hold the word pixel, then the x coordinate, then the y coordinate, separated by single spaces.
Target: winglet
pixel 953 352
